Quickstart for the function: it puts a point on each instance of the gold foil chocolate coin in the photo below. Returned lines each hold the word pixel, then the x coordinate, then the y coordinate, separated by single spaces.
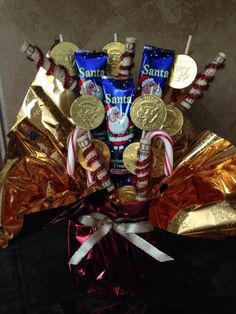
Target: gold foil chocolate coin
pixel 130 156
pixel 125 194
pixel 63 54
pixel 87 112
pixel 103 153
pixel 184 72
pixel 148 112
pixel 115 50
pixel 174 120
pixel 67 97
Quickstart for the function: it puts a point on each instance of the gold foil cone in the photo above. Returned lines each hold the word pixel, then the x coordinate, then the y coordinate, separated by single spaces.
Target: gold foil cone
pixel 34 175
pixel 206 176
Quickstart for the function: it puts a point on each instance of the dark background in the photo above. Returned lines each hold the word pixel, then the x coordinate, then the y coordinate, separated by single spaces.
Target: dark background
pixel 35 278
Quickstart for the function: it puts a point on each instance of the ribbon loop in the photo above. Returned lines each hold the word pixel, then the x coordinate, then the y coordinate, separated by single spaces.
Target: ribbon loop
pixel 128 230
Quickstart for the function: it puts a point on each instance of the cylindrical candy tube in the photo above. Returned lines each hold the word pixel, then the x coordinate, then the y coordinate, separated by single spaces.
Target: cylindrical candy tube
pixel 91 67
pixel 155 70
pixel 91 155
pixel 144 161
pixel 60 73
pixel 203 79
pixel 127 58
pixel 119 95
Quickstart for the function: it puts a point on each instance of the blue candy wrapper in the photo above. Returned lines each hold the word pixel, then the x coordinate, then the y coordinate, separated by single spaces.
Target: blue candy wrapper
pixel 155 70
pixel 91 67
pixel 119 94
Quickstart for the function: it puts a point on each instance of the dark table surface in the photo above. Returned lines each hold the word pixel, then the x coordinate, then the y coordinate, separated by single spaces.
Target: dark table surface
pixel 35 278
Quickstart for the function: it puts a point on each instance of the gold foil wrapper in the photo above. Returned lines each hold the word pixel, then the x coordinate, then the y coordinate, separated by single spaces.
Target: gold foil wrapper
pixel 34 176
pixel 197 198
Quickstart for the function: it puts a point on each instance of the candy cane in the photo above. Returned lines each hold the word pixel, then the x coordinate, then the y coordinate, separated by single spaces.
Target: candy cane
pixel 35 54
pixel 92 157
pixel 72 148
pixel 128 56
pixel 203 79
pixel 143 164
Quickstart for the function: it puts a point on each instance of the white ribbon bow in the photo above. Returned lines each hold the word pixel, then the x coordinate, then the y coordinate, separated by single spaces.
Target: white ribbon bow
pixel 128 230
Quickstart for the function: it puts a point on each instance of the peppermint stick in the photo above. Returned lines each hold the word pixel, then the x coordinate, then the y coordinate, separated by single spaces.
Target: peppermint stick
pixel 203 79
pixel 143 164
pixel 72 149
pixel 35 54
pixel 127 58
pixel 92 157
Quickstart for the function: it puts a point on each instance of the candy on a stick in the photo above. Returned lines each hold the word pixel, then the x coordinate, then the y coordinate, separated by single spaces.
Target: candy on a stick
pixel 72 143
pixel 154 70
pixel 119 95
pixel 60 73
pixel 203 79
pixel 143 164
pixel 71 155
pixel 128 56
pixel 81 137
pixel 91 155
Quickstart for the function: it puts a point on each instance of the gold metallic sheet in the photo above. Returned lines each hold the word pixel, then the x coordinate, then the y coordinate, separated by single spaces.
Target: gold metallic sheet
pixel 34 176
pixel 198 197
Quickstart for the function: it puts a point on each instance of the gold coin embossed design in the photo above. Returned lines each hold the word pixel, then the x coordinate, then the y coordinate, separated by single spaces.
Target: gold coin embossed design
pixel 148 112
pixel 174 120
pixel 103 153
pixel 63 54
pixel 130 156
pixel 87 112
pixel 67 97
pixel 184 72
pixel 125 194
pixel 115 50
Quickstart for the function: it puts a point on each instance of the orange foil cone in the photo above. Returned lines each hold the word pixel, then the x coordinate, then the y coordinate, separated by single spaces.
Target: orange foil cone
pixel 34 175
pixel 199 198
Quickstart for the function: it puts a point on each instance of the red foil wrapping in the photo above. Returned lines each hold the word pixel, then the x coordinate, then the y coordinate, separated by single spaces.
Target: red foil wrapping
pixel 114 266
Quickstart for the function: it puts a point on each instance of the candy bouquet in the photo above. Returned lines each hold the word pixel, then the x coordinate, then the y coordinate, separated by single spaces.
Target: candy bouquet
pixel 118 160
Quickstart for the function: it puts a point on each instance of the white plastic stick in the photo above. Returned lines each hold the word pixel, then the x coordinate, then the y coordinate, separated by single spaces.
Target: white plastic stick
pixel 188 44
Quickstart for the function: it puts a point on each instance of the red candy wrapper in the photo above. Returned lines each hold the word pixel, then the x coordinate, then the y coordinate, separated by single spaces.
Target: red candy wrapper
pixel 114 265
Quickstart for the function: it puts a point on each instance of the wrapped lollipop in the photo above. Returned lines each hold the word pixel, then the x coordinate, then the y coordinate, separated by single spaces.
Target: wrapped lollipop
pixel 115 51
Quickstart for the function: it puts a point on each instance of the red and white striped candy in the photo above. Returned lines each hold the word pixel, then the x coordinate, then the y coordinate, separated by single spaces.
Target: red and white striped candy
pixel 60 73
pixel 203 79
pixel 169 160
pixel 92 157
pixel 72 149
pixel 143 164
pixel 127 58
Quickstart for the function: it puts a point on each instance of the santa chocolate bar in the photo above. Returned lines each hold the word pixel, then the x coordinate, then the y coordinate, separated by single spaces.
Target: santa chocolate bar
pixel 119 95
pixel 91 67
pixel 155 70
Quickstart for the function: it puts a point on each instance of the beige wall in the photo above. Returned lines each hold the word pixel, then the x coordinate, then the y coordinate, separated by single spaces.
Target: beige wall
pixel 90 24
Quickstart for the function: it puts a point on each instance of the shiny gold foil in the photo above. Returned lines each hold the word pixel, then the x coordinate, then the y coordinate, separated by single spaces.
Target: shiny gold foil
pixel 34 175
pixel 206 176
pixel 216 219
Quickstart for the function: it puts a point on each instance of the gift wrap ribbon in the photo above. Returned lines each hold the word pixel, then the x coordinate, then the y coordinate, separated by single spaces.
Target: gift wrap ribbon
pixel 128 230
